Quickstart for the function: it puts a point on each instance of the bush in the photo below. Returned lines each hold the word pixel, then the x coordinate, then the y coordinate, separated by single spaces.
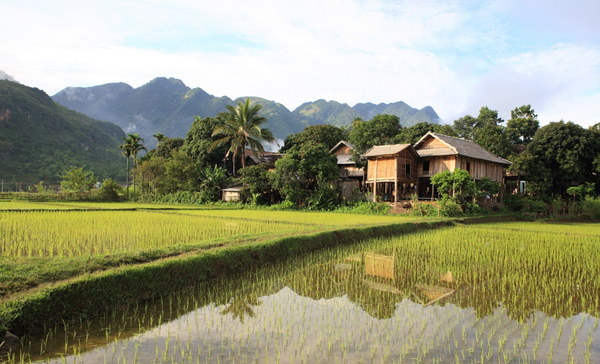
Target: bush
pixel 110 190
pixel 366 207
pixel 525 204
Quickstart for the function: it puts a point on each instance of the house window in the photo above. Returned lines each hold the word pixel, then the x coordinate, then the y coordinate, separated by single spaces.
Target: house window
pixel 425 167
pixel 469 167
pixel 407 170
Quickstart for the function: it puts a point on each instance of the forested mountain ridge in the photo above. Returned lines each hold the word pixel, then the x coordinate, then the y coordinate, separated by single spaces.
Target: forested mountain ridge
pixel 168 106
pixel 335 113
pixel 39 138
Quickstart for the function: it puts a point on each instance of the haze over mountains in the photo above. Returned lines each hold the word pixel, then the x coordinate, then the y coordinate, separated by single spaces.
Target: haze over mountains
pixel 168 106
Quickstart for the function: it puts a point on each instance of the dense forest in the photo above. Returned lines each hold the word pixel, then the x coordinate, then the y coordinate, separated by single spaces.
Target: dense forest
pixel 39 139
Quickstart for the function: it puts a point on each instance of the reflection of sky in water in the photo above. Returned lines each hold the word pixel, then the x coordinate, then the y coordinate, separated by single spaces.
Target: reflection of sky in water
pixel 289 328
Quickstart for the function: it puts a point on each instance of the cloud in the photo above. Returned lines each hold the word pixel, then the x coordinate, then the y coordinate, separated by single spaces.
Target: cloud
pixel 455 56
pixel 6 76
pixel 561 75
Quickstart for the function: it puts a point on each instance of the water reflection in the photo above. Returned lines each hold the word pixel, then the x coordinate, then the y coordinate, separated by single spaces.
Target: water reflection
pixel 366 307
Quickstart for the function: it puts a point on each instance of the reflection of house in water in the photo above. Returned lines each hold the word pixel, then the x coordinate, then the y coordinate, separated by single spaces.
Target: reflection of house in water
pixel 380 267
pixel 428 294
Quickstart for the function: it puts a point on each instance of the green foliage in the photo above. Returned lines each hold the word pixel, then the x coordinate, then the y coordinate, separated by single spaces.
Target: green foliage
pixel 523 125
pixel 199 138
pixel 167 145
pixel 325 196
pixel 76 179
pixel 110 190
pixel 582 191
pixel 39 187
pixel 366 207
pixel 459 185
pixel 304 171
pixel 328 135
pixel 412 134
pixel 567 152
pixel 256 182
pixel 212 181
pixel 242 129
pixel 487 187
pixel 180 173
pixel 380 130
pixel 587 208
pixel 525 204
pixel 38 138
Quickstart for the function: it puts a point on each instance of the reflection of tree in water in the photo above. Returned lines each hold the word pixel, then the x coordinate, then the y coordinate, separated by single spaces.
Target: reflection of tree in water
pixel 239 307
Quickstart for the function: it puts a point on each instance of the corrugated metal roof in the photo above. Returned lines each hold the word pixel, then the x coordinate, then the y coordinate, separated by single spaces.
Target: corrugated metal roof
pixel 462 147
pixel 344 159
pixel 380 150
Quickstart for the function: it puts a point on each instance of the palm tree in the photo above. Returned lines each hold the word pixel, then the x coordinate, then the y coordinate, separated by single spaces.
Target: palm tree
pixel 242 128
pixel 131 147
pixel 160 137
pixel 126 146
pixel 136 146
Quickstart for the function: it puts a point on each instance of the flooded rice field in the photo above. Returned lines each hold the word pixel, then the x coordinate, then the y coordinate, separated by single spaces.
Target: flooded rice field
pixel 496 293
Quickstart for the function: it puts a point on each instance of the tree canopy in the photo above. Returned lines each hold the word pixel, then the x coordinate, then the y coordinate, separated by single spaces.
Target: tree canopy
pixel 328 135
pixel 241 129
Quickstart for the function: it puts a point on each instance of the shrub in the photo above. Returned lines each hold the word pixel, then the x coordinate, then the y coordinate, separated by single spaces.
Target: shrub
pixel 110 190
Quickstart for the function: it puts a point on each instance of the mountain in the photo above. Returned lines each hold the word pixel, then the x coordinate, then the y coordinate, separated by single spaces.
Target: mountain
pixel 39 138
pixel 332 112
pixel 165 105
pixel 168 106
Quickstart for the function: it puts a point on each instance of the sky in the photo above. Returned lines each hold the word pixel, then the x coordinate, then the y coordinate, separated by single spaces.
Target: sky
pixel 455 56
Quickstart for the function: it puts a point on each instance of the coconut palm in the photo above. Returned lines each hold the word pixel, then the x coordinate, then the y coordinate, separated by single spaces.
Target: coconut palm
pixel 242 129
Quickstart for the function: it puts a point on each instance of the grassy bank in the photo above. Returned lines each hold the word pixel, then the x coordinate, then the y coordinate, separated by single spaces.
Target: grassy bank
pixel 92 293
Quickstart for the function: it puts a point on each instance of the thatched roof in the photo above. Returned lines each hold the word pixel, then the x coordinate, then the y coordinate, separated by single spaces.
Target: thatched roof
pixel 457 146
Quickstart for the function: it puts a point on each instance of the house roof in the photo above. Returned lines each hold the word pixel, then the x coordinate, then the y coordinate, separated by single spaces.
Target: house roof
pixel 344 159
pixel 457 146
pixel 382 150
pixel 341 142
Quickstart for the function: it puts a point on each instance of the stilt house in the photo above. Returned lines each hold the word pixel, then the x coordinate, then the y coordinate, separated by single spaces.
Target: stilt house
pixel 391 170
pixel 438 153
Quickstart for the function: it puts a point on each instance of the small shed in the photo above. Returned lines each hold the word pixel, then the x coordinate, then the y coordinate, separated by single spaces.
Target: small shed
pixel 391 170
pixel 351 177
pixel 232 194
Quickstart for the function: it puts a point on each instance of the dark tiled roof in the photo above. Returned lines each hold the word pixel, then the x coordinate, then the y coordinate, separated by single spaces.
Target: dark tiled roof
pixel 462 147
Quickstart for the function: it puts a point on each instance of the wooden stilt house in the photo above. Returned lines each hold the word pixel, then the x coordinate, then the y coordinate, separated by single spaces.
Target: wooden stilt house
pixel 391 171
pixel 438 153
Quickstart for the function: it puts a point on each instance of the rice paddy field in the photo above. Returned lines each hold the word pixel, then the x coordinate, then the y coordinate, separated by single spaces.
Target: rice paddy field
pixel 515 292
pixel 30 229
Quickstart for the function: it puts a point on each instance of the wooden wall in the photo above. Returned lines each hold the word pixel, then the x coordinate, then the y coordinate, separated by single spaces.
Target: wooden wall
pixel 392 168
pixel 477 168
pixel 342 150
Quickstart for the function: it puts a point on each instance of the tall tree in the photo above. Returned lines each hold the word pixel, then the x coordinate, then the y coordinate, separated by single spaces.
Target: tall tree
pixel 522 125
pixel 126 146
pixel 242 129
pixel 568 151
pixel 135 142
